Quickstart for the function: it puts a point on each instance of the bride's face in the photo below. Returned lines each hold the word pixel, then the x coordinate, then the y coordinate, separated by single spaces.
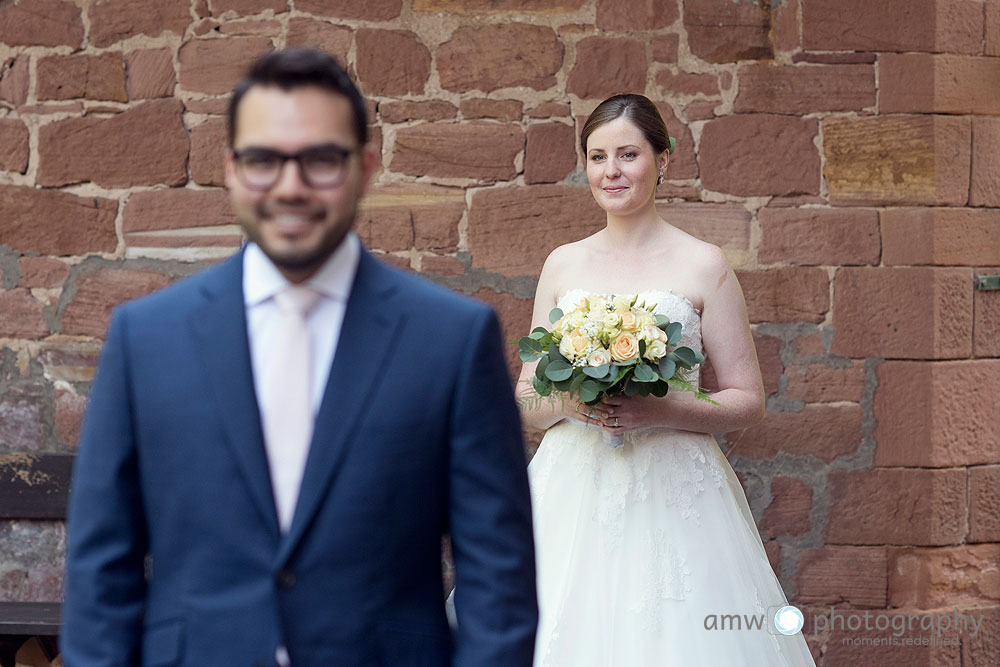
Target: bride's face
pixel 622 167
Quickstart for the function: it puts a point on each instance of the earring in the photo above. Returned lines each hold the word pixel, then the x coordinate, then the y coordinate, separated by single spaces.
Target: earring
pixel 659 181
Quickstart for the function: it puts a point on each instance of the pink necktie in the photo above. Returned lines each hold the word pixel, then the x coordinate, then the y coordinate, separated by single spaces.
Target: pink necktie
pixel 288 412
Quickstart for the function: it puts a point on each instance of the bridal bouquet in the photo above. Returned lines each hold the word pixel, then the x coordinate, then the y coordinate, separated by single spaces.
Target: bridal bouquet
pixel 609 346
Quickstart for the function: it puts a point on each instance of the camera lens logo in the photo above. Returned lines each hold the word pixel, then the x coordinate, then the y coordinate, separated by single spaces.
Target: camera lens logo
pixel 788 620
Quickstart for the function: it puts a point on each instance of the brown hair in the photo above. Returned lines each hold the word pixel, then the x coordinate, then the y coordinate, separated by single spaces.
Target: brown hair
pixel 639 111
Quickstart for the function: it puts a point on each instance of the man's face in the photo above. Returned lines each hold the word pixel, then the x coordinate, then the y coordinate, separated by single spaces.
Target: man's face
pixel 297 224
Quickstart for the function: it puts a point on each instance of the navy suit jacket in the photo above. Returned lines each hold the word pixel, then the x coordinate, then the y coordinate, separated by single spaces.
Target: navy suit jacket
pixel 174 551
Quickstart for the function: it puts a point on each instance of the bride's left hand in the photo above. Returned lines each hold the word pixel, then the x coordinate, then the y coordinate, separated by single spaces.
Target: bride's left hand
pixel 627 413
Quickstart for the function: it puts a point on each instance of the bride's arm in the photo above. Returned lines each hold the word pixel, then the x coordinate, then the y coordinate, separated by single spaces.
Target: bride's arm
pixel 729 344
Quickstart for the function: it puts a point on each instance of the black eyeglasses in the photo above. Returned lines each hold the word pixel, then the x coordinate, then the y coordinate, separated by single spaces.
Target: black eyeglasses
pixel 323 166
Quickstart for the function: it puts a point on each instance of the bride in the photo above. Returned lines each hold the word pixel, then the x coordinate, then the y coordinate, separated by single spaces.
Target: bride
pixel 647 554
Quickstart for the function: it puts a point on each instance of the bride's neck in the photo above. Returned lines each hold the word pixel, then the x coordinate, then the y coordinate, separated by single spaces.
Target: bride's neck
pixel 634 232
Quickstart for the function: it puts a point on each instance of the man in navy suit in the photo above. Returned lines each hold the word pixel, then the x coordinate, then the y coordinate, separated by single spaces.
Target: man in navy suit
pixel 210 527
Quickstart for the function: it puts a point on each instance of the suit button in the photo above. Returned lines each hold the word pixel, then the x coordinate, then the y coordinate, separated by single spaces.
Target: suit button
pixel 286 580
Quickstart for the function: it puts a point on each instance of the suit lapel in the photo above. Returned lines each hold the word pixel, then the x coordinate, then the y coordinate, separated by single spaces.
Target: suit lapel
pixel 370 321
pixel 220 328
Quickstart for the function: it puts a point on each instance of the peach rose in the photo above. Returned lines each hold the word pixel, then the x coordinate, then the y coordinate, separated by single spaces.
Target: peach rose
pixel 629 321
pixel 625 348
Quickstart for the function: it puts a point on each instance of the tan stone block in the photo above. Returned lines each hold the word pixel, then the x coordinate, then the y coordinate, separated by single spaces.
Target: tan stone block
pixel 833 431
pixel 904 506
pixel 818 236
pixel 318 34
pixel 922 578
pixel 986 337
pixel 837 575
pixel 984 503
pixel 786 294
pixel 41 23
pixel 985 187
pixel 769 360
pixel 721 31
pixel 150 73
pixel 214 66
pixel 115 20
pixel 209 145
pixel 724 225
pixel 247 7
pixel 898 160
pixel 515 321
pixel 788 513
pixel 42 272
pixel 97 293
pixel 392 62
pixel 22 315
pixel 820 383
pixel 550 152
pixel 737 155
pixel 941 236
pixel 906 313
pixel 400 112
pixel 924 83
pixel 519 55
pixel 606 66
pixel 366 10
pixel 146 145
pixel 803 89
pixel 629 15
pixel 498 6
pixel 13 145
pixel 49 222
pixel 687 83
pixel 665 47
pixel 14 77
pixel 929 414
pixel 481 107
pixel 478 150
pixel 512 230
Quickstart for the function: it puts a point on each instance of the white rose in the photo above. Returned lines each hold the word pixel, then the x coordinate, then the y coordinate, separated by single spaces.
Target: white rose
pixel 655 350
pixel 599 357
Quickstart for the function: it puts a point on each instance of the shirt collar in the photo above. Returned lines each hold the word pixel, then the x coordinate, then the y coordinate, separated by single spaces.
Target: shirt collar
pixel 262 279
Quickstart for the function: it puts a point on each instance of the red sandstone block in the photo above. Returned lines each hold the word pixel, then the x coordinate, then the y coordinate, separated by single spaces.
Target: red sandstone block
pixel 434 213
pixel 150 73
pixel 785 22
pixel 954 26
pixel 549 110
pixel 769 360
pixel 35 221
pixel 724 225
pixel 986 342
pixel 463 64
pixel 923 578
pixel 115 20
pixel 391 62
pixel 317 34
pixel 737 155
pixel 924 83
pixel 930 414
pixel 176 208
pixel 481 107
pixel 512 230
pixel 390 230
pixel 400 112
pixel 100 77
pixel 665 47
pixel 22 315
pixel 550 152
pixel 682 164
pixel 41 23
pixel 788 513
pixel 478 150
pixel 983 649
pixel 854 646
pixel 821 383
pixel 14 77
pixel 984 504
pixel 248 7
pixel 441 265
pixel 498 6
pixel 818 236
pixel 803 89
pixel 367 10
pixel 824 431
pixel 809 346
pixel 687 83
pixel 42 272
pixel 214 66
pixel 838 575
pixel 268 28
pixel 69 415
pixel 97 293
pixel 606 66
pixel 941 236
pixel 209 143
pixel 904 506
pixel 629 15
pixel 13 145
pixel 786 294
pixel 992 29
pixel 906 313
pixel 985 187
pixel 898 160
pixel 515 320
pixel 720 31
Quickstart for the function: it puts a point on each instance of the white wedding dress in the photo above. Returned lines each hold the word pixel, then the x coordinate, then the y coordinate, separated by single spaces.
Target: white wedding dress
pixel 638 546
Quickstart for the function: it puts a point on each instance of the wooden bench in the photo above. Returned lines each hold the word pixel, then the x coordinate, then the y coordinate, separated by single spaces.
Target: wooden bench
pixel 32 486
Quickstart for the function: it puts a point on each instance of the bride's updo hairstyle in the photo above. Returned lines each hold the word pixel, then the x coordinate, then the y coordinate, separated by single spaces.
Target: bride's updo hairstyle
pixel 639 111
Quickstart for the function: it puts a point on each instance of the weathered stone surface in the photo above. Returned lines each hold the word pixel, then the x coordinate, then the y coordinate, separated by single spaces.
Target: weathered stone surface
pixel 549 110
pixel 922 578
pixel 986 341
pixel 431 215
pixel 41 23
pixel 834 431
pixel 209 143
pixel 21 425
pixel 607 66
pixel 820 383
pixel 519 55
pixel 834 58
pixel 943 236
pixel 898 160
pixel 317 34
pixel 929 414
pixel 515 319
pixel 992 47
pixel 983 649
pixel 924 83
pixel 665 48
pixel 687 83
pixel 818 236
pixel 172 217
pixel 900 506
pixel 266 28
pixel 441 265
pixel 22 315
pixel 724 225
pixel 97 293
pixel 903 313
pixel 788 513
pixel 722 31
pixel 479 150
pixel 497 6
pixel 683 164
pixel 400 112
pixel 14 77
pixel 786 294
pixel 740 155
pixel 785 22
pixel 100 77
pixel 42 272
pixel 69 416
pixel 803 89
pixel 392 62
pixel 512 230
pixel 65 361
pixel 150 73
pixel 550 152
pixel 214 66
pixel 834 575
pixel 13 145
pixel 628 15
pixel 114 20
pixel 985 187
pixel 145 145
pixel 366 10
pixel 954 26
pixel 388 229
pixel 247 7
pixel 48 222
pixel 769 360
pixel 481 107
pixel 984 504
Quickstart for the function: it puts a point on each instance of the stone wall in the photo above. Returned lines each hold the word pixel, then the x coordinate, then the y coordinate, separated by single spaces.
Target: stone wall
pixel 843 153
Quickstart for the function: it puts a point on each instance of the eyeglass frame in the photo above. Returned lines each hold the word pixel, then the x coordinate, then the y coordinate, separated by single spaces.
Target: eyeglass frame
pixel 344 153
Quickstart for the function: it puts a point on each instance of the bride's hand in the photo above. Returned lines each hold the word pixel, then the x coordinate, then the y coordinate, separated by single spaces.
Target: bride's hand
pixel 627 413
pixel 592 414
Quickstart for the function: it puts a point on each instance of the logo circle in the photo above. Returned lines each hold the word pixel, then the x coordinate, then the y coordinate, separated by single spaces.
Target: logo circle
pixel 788 620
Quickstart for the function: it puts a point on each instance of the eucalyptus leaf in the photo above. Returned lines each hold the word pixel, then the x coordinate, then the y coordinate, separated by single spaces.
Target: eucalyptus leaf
pixel 554 315
pixel 632 388
pixel 673 333
pixel 687 356
pixel 598 372
pixel 541 330
pixel 662 321
pixel 558 370
pixel 667 367
pixel 643 373
pixel 659 389
pixel 590 391
pixel 527 356
pixel 540 368
pixel 529 344
pixel 543 387
pixel 563 385
pixel 578 379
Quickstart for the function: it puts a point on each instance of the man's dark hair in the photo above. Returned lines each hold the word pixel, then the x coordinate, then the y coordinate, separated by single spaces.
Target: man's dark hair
pixel 296 68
